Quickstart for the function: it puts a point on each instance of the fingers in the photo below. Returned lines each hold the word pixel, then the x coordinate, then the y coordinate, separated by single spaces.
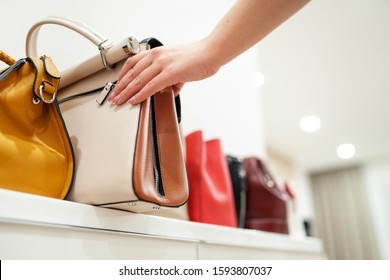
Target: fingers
pixel 144 75
pixel 155 85
pixel 130 63
pixel 130 70
pixel 137 76
pixel 177 88
pixel 132 84
pixel 152 89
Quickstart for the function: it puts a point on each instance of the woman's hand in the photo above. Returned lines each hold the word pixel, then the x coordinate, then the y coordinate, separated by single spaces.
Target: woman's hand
pixel 154 70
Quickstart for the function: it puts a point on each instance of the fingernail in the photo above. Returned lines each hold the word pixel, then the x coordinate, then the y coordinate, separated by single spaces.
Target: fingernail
pixel 115 100
pixel 131 101
pixel 111 95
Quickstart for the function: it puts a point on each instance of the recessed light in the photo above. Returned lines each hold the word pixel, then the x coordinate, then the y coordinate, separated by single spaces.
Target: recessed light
pixel 310 124
pixel 346 151
pixel 258 79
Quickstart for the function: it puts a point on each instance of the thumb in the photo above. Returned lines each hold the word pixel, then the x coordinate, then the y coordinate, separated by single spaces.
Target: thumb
pixel 177 88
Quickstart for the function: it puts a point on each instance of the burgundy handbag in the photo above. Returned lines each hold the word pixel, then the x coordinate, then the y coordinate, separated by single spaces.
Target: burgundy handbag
pixel 266 203
pixel 211 197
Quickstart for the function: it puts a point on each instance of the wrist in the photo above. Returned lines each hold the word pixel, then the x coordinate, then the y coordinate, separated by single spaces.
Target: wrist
pixel 212 55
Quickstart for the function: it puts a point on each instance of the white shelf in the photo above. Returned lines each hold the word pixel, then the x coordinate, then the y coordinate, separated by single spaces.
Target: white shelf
pixel 34 227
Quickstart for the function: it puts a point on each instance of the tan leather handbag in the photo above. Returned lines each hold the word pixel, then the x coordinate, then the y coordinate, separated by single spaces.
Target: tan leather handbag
pixel 35 152
pixel 127 157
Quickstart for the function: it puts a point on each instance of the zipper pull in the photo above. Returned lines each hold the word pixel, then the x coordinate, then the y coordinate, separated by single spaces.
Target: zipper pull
pixel 105 92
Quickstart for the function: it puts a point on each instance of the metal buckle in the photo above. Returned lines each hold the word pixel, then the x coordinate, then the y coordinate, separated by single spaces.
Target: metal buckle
pixel 103 47
pixel 132 46
pixel 43 98
pixel 144 47
pixel 105 92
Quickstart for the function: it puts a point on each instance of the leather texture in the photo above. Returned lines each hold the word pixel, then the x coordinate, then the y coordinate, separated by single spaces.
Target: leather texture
pixel 127 157
pixel 172 165
pixel 35 151
pixel 211 198
pixel 266 203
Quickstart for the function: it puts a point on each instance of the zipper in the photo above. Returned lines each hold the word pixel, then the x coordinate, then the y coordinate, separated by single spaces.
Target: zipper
pixel 154 144
pixel 80 95
pixel 103 93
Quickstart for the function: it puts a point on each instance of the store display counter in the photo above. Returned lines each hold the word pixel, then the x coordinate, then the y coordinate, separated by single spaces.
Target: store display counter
pixel 34 227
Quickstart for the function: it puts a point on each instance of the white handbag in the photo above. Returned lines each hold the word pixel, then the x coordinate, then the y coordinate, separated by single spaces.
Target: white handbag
pixel 126 157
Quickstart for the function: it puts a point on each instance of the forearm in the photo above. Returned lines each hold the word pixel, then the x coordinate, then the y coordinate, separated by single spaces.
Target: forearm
pixel 245 24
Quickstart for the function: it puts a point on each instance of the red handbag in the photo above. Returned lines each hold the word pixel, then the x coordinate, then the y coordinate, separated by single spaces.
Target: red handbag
pixel 211 197
pixel 266 203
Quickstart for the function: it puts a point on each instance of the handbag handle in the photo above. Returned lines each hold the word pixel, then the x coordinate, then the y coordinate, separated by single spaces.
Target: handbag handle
pixel 6 58
pixel 109 53
pixel 79 27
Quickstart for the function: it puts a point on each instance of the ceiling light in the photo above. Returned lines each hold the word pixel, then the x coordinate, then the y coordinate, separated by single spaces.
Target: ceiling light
pixel 346 151
pixel 310 124
pixel 258 79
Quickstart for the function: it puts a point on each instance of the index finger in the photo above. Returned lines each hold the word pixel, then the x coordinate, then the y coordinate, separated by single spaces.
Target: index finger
pixel 130 63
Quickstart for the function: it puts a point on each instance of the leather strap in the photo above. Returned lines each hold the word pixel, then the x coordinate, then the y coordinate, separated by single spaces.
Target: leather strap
pixel 6 58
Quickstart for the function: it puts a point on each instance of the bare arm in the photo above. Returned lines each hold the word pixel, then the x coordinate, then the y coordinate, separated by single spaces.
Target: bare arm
pixel 245 24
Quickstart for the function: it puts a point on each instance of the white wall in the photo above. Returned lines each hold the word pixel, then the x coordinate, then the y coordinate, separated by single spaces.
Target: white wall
pixel 227 105
pixel 377 176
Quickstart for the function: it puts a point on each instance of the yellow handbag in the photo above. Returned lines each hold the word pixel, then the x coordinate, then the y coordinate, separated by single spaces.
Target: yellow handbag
pixel 35 152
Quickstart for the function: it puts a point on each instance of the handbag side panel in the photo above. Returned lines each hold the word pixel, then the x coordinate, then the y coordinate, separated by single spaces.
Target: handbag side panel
pixel 103 139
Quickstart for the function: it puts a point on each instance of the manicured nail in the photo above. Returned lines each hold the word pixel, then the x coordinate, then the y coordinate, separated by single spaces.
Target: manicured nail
pixel 111 96
pixel 115 100
pixel 131 101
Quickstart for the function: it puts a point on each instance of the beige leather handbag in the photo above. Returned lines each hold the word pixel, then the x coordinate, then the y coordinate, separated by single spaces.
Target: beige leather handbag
pixel 127 157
